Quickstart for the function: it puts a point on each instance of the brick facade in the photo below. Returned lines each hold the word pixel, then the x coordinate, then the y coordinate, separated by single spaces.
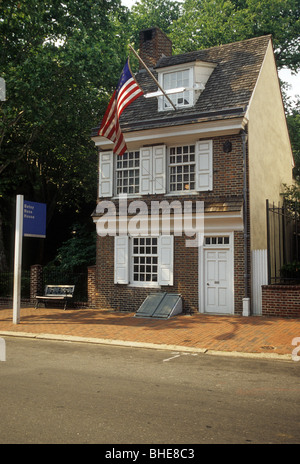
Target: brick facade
pixel 91 285
pixel 227 184
pixel 126 298
pixel 221 105
pixel 153 45
pixel 281 300
pixel 36 281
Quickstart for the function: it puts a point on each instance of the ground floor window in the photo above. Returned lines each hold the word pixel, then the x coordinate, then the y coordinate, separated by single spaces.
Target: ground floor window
pixel 145 259
pixel 216 240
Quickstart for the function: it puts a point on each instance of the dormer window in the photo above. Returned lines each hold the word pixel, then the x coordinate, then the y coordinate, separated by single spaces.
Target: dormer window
pixel 183 83
pixel 181 80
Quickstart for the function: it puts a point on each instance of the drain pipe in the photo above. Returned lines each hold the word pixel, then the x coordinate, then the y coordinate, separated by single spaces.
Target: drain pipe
pixel 246 299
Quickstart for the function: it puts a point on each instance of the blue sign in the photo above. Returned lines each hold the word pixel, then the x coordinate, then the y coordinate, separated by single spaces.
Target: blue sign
pixel 34 219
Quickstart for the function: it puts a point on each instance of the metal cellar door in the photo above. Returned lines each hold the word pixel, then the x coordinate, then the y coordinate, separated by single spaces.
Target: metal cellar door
pixel 160 306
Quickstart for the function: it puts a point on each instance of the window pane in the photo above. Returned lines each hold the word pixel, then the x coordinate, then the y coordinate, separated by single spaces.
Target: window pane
pixel 174 80
pixel 182 168
pixel 128 173
pixel 145 259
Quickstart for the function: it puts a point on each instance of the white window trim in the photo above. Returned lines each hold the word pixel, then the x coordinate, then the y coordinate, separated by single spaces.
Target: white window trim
pixel 159 178
pixel 180 192
pixel 153 170
pixel 190 89
pixel 137 283
pixel 123 262
pixel 106 175
pixel 114 188
pixel 121 259
pixel 202 148
pixel 144 284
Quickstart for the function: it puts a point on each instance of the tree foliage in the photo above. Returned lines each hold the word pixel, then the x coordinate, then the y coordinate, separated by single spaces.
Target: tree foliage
pixel 59 61
pixel 152 13
pixel 77 252
pixel 206 23
pixel 293 122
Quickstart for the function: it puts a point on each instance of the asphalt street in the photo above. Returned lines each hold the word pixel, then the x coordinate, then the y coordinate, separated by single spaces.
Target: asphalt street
pixel 62 392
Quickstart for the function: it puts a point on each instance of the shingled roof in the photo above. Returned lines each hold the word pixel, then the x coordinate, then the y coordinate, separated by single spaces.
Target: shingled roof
pixel 226 95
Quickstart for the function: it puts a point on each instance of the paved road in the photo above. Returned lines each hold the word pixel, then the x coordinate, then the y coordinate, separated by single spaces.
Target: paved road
pixel 59 392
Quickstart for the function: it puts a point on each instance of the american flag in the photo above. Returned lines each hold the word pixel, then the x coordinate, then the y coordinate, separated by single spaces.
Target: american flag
pixel 126 92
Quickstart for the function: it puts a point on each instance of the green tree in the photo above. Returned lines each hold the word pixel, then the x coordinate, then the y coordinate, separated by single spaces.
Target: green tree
pixel 76 253
pixel 293 122
pixel 206 23
pixel 60 61
pixel 152 13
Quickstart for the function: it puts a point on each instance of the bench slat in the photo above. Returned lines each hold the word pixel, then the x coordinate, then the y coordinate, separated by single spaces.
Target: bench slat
pixel 57 292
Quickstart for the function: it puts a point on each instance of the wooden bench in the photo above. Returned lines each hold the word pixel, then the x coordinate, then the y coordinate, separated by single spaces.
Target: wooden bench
pixel 56 292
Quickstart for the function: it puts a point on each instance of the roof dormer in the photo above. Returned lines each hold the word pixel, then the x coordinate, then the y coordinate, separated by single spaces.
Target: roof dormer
pixel 182 80
pixel 183 83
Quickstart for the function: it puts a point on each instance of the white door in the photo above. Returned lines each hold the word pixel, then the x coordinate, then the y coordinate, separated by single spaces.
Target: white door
pixel 217 281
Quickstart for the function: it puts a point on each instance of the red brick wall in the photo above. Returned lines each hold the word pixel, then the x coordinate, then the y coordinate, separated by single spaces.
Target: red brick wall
pixel 227 175
pixel 227 167
pixel 36 281
pixel 91 284
pixel 238 272
pixel 227 182
pixel 125 298
pixel 281 300
pixel 153 44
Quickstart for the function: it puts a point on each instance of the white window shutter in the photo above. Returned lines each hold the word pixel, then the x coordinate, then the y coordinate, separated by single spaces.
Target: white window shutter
pixel 121 259
pixel 106 160
pixel 146 170
pixel 166 251
pixel 204 165
pixel 159 169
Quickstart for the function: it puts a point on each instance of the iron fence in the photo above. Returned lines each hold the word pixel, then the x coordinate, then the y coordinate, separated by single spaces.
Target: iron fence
pixel 283 242
pixel 54 277
pixel 51 277
pixel 7 284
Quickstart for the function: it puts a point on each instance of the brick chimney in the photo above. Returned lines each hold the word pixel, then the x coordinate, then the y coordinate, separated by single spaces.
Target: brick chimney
pixel 153 45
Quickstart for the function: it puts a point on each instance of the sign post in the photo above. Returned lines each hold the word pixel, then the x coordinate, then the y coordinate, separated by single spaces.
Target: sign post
pixel 18 259
pixel 30 222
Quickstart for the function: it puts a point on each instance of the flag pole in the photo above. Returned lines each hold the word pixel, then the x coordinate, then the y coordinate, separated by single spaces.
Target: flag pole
pixel 153 77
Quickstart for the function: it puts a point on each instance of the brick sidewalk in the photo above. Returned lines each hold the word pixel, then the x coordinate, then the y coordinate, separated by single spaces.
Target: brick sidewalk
pixel 221 333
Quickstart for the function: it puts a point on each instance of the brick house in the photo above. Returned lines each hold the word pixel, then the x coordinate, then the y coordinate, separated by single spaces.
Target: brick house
pixel 226 145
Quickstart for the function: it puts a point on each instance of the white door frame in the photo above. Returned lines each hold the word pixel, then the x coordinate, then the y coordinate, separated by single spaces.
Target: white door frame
pixel 201 269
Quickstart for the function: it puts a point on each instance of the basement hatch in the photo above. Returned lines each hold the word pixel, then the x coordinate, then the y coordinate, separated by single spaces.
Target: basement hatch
pixel 160 306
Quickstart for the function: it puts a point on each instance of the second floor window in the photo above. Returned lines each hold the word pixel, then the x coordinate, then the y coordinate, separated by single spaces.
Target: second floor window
pixel 128 173
pixel 157 170
pixel 182 168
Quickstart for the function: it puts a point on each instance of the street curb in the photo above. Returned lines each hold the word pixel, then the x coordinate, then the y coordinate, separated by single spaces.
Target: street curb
pixel 131 344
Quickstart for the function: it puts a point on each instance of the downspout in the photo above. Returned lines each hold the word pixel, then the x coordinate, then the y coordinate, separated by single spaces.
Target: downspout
pixel 246 299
